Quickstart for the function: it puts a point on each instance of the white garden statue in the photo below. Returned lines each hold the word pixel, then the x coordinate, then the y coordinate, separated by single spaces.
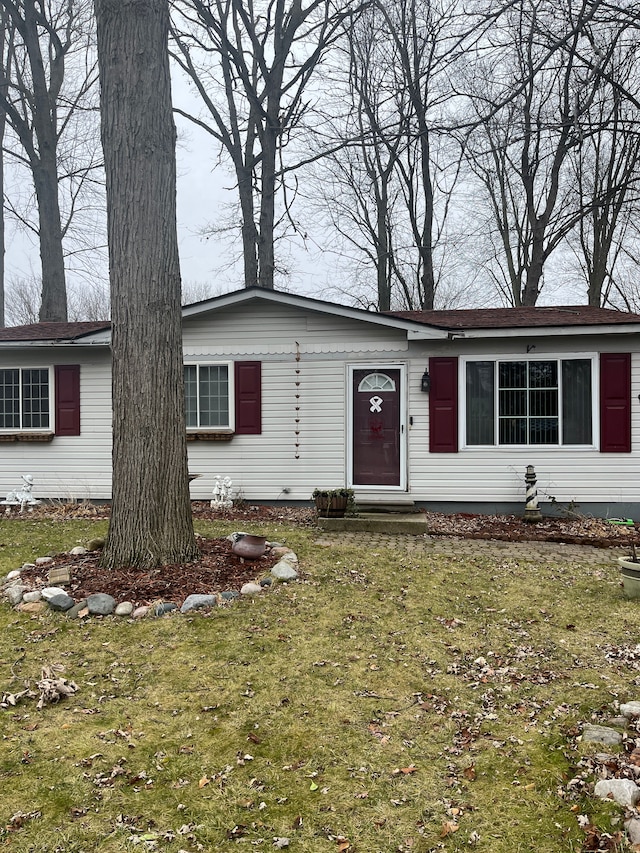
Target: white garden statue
pixel 222 493
pixel 21 496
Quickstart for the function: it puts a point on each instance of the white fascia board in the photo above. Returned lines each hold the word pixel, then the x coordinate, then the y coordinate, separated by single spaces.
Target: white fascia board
pixel 279 298
pixel 534 331
pixel 102 338
pixel 50 343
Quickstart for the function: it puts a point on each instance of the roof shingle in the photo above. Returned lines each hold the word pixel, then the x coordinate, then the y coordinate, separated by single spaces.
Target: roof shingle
pixel 517 318
pixel 52 331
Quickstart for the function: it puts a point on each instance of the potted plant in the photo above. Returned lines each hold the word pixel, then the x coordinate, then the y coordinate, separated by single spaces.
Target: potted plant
pixel 334 503
pixel 630 571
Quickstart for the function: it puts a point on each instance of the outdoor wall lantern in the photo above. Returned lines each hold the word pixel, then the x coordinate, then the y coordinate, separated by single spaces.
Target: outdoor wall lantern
pixel 425 382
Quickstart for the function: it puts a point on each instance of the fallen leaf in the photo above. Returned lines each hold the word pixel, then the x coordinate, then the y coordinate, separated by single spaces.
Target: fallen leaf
pixel 313 787
pixel 204 781
pixel 448 828
pixel 405 770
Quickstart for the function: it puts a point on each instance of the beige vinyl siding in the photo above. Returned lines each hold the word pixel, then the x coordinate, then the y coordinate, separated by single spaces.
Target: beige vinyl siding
pixel 263 466
pixel 67 467
pixel 294 347
pixel 315 350
pixel 496 474
pixel 255 330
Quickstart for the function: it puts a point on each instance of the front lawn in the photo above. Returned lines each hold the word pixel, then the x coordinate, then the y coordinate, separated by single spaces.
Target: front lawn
pixel 387 701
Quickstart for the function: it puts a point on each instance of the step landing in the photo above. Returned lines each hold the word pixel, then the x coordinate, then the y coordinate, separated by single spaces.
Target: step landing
pixel 412 523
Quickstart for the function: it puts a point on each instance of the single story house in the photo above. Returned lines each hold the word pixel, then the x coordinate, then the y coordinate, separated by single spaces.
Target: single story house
pixel 286 393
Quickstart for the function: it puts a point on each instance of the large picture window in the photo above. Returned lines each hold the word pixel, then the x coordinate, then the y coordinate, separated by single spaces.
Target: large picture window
pixel 207 392
pixel 529 402
pixel 24 399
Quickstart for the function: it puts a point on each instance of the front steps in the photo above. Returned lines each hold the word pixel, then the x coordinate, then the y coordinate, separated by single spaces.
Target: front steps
pixel 380 521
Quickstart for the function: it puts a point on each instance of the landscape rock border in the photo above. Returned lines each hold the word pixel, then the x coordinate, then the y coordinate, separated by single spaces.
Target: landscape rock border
pixel 39 599
pixel 619 773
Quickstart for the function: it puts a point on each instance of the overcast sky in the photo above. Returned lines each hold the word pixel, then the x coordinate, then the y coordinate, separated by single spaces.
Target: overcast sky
pixel 203 186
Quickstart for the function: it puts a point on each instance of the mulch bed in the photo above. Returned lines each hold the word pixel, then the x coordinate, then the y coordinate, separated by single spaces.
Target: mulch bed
pixel 596 532
pixel 216 570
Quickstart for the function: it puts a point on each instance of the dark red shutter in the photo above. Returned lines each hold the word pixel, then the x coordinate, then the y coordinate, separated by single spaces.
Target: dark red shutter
pixel 615 402
pixel 443 405
pixel 248 395
pixel 67 379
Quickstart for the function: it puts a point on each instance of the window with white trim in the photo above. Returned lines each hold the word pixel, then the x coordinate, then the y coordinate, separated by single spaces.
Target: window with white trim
pixel 25 402
pixel 529 402
pixel 208 401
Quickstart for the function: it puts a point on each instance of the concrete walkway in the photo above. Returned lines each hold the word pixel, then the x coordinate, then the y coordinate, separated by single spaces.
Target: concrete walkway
pixel 452 547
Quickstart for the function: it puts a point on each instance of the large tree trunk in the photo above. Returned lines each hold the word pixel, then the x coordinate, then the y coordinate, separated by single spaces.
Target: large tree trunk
pixel 45 169
pixel 2 237
pixel 54 290
pixel 266 224
pixel 249 233
pixel 151 521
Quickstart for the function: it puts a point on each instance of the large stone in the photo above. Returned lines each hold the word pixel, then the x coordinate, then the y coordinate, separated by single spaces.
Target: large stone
pixel 229 595
pixel 125 608
pixel 140 612
pixel 78 611
pixel 250 589
pixel 15 593
pixel 284 571
pixel 43 561
pixel 164 607
pixel 623 791
pixel 278 550
pixel 630 709
pixel 633 830
pixel 198 602
pixel 31 607
pixel 78 551
pixel 49 591
pixel 13 576
pixel 61 602
pixel 601 734
pixel 101 604
pixel 291 557
pixel 32 595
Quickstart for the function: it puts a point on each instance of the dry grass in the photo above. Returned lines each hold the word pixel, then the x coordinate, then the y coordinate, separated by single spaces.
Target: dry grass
pixel 386 702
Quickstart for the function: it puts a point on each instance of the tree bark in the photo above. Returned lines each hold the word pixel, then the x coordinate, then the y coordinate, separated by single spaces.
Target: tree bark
pixel 151 522
pixel 45 171
pixel 53 306
pixel 3 125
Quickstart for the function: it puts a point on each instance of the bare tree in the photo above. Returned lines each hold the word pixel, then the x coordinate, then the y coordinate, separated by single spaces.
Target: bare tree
pixel 546 85
pixel 44 104
pixel 394 179
pixel 5 59
pixel 151 521
pixel 521 149
pixel 251 64
pixel 22 301
pixel 607 170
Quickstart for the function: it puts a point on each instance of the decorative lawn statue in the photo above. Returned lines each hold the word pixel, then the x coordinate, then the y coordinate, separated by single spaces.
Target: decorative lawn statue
pixel 222 493
pixel 21 496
